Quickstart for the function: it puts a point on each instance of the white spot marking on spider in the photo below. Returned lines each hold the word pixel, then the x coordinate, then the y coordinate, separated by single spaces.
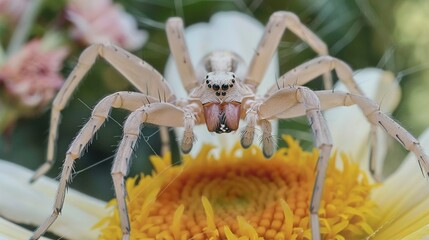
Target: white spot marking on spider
pixel 223 128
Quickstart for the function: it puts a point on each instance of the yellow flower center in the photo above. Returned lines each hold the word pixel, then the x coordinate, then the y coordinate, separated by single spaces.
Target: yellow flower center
pixel 241 194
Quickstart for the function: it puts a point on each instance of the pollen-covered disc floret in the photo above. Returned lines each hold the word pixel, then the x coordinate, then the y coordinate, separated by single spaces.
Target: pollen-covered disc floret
pixel 241 194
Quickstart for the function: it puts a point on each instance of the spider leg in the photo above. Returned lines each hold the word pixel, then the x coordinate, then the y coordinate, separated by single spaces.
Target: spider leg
pixel 310 70
pixel 163 114
pixel 376 117
pixel 248 134
pixel 375 165
pixel 395 130
pixel 274 30
pixel 124 100
pixel 267 138
pixel 131 67
pixel 311 107
pixel 179 51
pixel 329 99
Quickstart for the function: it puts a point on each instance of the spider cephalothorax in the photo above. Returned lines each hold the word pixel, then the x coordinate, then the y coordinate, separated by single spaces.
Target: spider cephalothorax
pixel 221 91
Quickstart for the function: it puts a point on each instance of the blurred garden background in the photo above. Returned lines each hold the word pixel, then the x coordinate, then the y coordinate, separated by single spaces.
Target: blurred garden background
pixel 392 35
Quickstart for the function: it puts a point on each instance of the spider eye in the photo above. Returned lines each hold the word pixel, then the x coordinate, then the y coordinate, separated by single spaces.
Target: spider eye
pixel 216 87
pixel 225 86
pixel 207 76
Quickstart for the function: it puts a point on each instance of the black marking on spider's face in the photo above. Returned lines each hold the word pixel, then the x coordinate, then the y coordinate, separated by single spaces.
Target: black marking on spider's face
pixel 220 82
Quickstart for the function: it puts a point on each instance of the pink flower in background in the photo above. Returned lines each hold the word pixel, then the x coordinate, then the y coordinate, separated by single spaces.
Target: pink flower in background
pixel 13 8
pixel 32 74
pixel 103 21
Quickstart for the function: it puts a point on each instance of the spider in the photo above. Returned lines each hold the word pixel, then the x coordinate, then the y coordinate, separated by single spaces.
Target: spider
pixel 221 92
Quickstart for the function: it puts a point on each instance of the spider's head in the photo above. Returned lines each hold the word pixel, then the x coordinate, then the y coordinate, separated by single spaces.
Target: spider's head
pixel 221 83
pixel 222 110
pixel 222 90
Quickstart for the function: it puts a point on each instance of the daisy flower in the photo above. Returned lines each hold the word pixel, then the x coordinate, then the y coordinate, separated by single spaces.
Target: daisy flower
pixel 237 194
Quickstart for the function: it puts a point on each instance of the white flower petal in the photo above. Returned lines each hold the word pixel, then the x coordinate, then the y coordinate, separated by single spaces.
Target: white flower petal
pixel 403 199
pixel 11 231
pixel 421 233
pixel 349 127
pixel 230 31
pixel 31 204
